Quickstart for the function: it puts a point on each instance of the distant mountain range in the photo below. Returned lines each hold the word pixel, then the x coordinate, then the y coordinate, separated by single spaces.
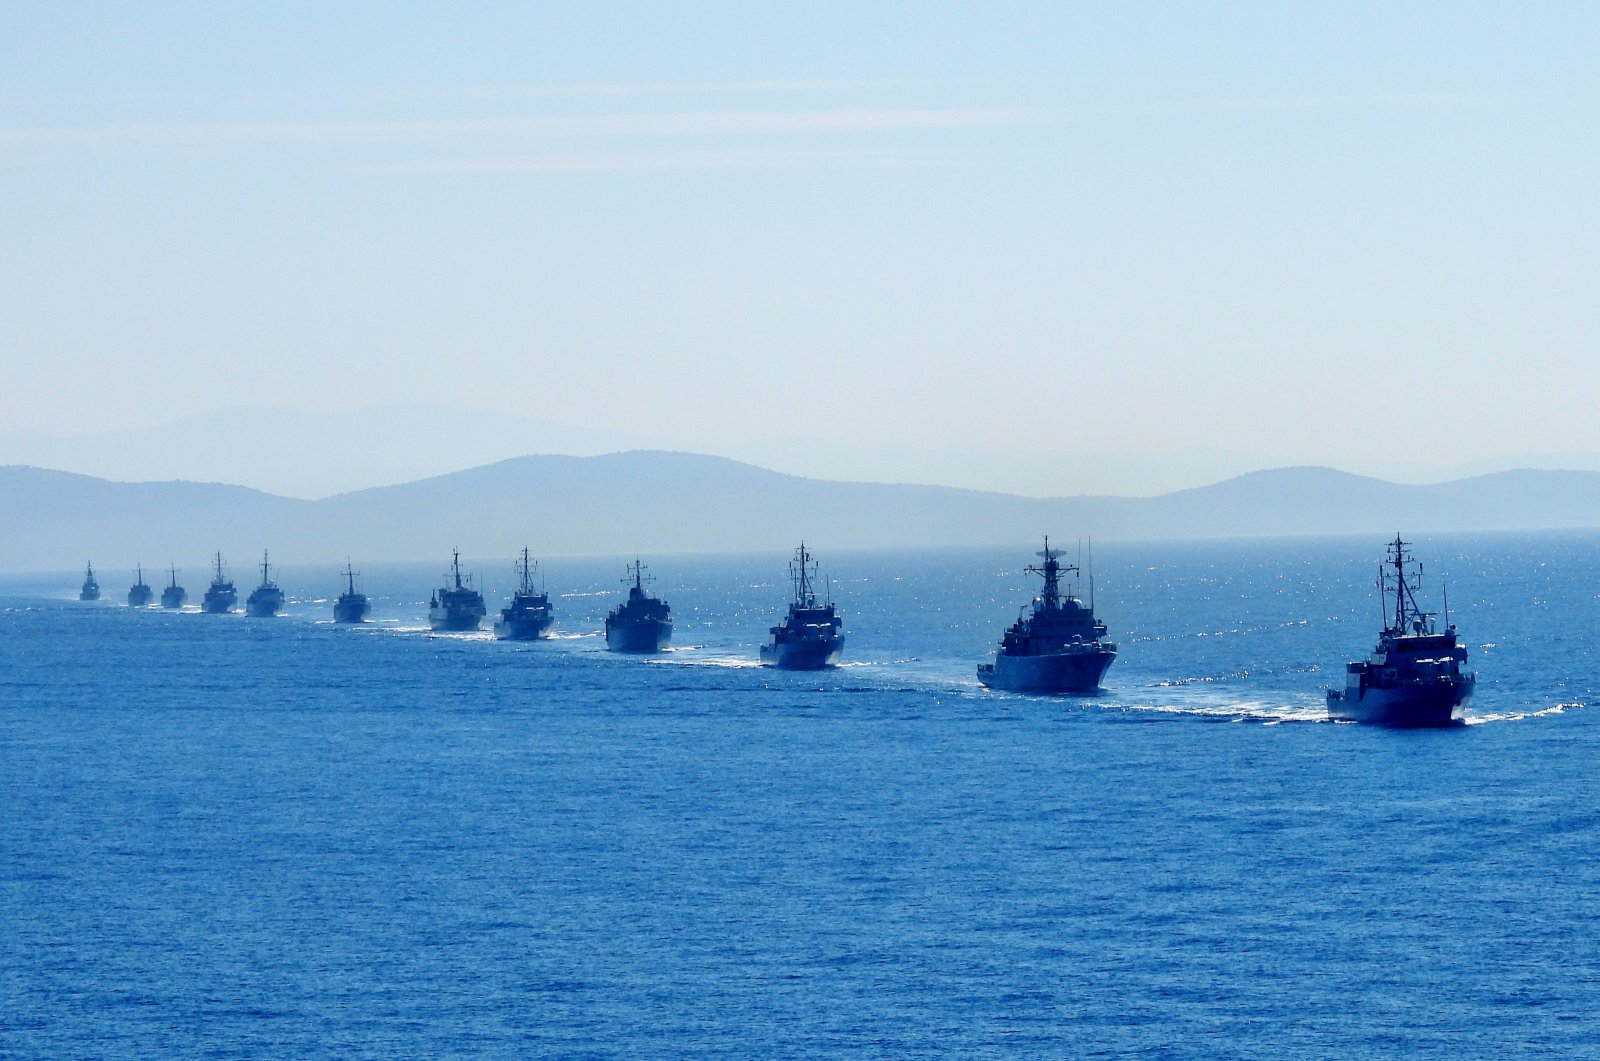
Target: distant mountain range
pixel 658 502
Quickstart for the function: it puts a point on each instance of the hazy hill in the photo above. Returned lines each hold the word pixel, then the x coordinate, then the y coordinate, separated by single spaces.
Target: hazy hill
pixel 655 502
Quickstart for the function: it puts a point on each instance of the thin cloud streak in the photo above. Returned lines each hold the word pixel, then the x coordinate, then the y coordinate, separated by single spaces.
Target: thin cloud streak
pixel 632 161
pixel 709 123
pixel 1286 103
pixel 624 90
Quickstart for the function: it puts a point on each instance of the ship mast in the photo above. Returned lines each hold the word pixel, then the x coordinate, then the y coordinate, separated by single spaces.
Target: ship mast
pixel 1408 617
pixel 1051 598
pixel 804 595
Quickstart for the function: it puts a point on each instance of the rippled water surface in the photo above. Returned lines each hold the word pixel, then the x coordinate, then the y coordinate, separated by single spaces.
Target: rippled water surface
pixel 231 837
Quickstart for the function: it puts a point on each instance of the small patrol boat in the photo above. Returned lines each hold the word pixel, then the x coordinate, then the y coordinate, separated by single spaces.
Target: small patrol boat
pixel 1415 676
pixel 809 637
pixel 456 608
pixel 528 616
pixel 351 607
pixel 220 595
pixel 641 623
pixel 266 600
pixel 91 588
pixel 1058 647
pixel 139 594
pixel 174 595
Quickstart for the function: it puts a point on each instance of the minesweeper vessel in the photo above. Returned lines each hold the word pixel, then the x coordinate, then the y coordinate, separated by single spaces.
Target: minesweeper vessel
pixel 456 608
pixel 1415 676
pixel 528 616
pixel 174 595
pixel 1058 647
pixel 139 594
pixel 266 600
pixel 351 607
pixel 640 623
pixel 809 638
pixel 220 595
pixel 91 588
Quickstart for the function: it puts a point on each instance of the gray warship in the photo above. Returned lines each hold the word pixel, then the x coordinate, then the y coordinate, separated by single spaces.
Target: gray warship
pixel 91 588
pixel 1056 647
pixel 528 616
pixel 139 594
pixel 220 595
pixel 266 600
pixel 641 623
pixel 351 607
pixel 174 595
pixel 1414 677
pixel 459 607
pixel 809 637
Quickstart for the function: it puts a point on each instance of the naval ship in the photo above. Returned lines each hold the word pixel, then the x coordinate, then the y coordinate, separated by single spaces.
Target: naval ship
pixel 1414 676
pixel 640 623
pixel 266 600
pixel 456 608
pixel 220 595
pixel 1058 648
pixel 174 595
pixel 528 616
pixel 809 637
pixel 140 594
pixel 91 588
pixel 351 607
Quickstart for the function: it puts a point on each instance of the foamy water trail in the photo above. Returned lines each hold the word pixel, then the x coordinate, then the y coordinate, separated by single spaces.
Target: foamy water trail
pixel 1518 716
pixel 722 662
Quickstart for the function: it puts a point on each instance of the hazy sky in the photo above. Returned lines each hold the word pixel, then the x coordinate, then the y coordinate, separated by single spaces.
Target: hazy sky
pixel 1339 233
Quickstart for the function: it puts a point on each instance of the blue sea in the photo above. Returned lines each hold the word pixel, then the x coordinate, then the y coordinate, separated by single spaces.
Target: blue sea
pixel 229 837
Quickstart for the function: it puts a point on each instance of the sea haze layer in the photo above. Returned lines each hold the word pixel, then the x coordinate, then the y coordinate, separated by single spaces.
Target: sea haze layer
pixel 281 837
pixel 684 502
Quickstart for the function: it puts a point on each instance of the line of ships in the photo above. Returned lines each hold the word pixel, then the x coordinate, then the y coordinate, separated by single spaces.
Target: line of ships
pixel 1414 677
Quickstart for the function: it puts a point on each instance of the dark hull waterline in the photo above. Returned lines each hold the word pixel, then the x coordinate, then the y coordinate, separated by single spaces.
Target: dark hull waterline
pixel 647 635
pixel 811 654
pixel 1063 672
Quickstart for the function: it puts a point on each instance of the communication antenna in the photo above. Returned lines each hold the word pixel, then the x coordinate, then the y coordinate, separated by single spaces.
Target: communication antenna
pixel 1091 572
pixel 1383 597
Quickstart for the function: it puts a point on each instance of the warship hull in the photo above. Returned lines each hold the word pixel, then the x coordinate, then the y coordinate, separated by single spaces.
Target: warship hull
pixel 218 602
pixel 1056 672
pixel 351 609
pixel 454 620
pixel 522 627
pixel 644 635
pixel 173 597
pixel 810 654
pixel 140 596
pixel 1422 705
pixel 264 605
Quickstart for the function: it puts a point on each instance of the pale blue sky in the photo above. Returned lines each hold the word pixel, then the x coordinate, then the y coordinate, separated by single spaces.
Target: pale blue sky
pixel 1361 235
